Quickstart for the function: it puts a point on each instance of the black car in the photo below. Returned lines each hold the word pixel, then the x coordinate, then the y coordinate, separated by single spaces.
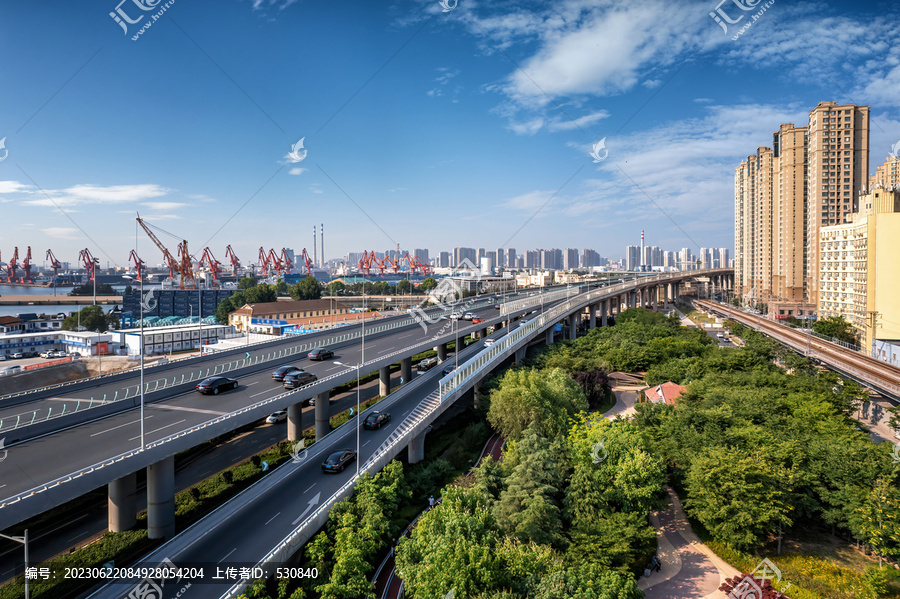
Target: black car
pixel 376 420
pixel 216 384
pixel 448 369
pixel 279 373
pixel 320 353
pixel 338 460
pixel 298 379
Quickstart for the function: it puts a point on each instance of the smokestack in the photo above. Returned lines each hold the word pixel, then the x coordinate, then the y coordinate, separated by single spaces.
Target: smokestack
pixel 315 245
pixel 642 249
pixel 322 234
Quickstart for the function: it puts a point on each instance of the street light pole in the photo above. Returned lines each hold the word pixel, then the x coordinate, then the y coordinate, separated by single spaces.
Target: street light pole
pixel 358 425
pixel 141 347
pixel 24 541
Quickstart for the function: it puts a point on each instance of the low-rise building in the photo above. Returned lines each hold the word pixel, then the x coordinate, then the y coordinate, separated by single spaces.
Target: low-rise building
pixel 273 316
pixel 781 309
pixel 10 325
pixel 86 343
pixel 858 276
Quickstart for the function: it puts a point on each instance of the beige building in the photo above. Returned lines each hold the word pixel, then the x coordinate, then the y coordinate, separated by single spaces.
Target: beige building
pixel 858 274
pixel 270 316
pixel 838 168
pixel 887 175
pixel 810 178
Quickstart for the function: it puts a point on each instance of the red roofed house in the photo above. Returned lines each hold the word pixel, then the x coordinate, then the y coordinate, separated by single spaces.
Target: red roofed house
pixel 11 325
pixel 668 392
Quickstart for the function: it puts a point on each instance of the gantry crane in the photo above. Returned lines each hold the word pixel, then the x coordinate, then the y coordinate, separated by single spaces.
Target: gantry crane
pixel 183 267
pixel 54 264
pixel 263 261
pixel 235 263
pixel 286 261
pixel 138 264
pixel 211 263
pixel 26 266
pixel 307 262
pixel 90 263
pixel 12 266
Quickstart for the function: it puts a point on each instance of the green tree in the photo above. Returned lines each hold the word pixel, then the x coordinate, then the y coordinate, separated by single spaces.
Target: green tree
pixel 307 289
pixel 258 294
pixel 881 519
pixel 587 581
pixel 247 282
pixel 336 288
pixel 224 308
pixel 531 396
pixel 281 288
pixel 88 289
pixel 92 318
pixel 428 284
pixel 403 287
pixel 837 327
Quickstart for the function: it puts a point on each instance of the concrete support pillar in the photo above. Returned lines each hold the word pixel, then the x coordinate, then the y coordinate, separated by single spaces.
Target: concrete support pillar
pixel 670 296
pixel 604 313
pixel 122 503
pixel 416 449
pixel 520 355
pixel 476 390
pixel 441 351
pixel 295 422
pixel 592 316
pixel 323 415
pixel 633 298
pixel 384 381
pixel 549 336
pixel 483 333
pixel 161 499
pixel 406 374
pixel 573 326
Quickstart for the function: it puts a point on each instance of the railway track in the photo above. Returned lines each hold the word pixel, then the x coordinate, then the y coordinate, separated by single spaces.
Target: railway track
pixel 869 371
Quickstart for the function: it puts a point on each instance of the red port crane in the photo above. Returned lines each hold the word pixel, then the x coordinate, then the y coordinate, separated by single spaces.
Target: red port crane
pixel 183 267
pixel 12 266
pixel 90 263
pixel 263 261
pixel 307 262
pixel 286 260
pixel 235 263
pixel 26 266
pixel 138 264
pixel 275 261
pixel 54 264
pixel 211 263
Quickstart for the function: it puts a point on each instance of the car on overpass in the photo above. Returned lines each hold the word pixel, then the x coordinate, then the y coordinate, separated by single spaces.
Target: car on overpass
pixel 426 364
pixel 489 342
pixel 448 369
pixel 338 460
pixel 216 384
pixel 298 379
pixel 279 373
pixel 320 353
pixel 376 420
pixel 468 316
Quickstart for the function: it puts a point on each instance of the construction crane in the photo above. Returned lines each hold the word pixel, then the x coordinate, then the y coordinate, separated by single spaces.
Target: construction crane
pixel 138 264
pixel 54 264
pixel 26 266
pixel 415 263
pixel 263 261
pixel 12 266
pixel 275 261
pixel 182 267
pixel 235 263
pixel 388 261
pixel 90 263
pixel 211 263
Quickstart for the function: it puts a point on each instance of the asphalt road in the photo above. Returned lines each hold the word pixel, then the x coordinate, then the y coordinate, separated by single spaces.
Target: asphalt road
pixel 254 528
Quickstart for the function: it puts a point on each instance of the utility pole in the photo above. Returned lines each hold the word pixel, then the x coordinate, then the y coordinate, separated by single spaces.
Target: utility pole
pixel 872 323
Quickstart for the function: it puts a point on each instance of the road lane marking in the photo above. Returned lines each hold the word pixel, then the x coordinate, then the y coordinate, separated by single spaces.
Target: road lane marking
pixel 121 425
pixel 405 413
pixel 309 489
pixel 261 393
pixel 157 430
pixel 405 336
pixel 184 409
pixel 334 368
pixel 251 384
pixel 367 442
pixel 272 518
pixel 226 555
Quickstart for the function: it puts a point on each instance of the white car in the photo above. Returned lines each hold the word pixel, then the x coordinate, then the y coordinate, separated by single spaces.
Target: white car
pixel 468 316
pixel 277 417
pixel 455 316
pixel 489 342
pixel 2 358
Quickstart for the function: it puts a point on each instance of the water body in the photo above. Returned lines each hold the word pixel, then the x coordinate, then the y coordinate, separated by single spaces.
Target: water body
pixel 44 308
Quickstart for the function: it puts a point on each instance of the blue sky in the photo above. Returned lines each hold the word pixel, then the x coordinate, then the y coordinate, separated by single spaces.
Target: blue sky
pixel 470 127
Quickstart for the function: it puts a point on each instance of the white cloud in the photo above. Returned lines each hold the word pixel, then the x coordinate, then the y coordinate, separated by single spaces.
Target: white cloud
pixel 96 194
pixel 164 205
pixel 584 121
pixel 297 170
pixel 13 187
pixel 62 232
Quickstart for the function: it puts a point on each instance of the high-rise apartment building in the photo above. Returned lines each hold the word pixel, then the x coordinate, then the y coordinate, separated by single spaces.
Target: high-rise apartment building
pixel 532 259
pixel 632 257
pixel 570 259
pixel 421 255
pixel 838 168
pixel 460 254
pixel 887 175
pixel 589 258
pixel 444 260
pixel 858 268
pixel 480 255
pixel 501 257
pixel 551 259
pixel 511 258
